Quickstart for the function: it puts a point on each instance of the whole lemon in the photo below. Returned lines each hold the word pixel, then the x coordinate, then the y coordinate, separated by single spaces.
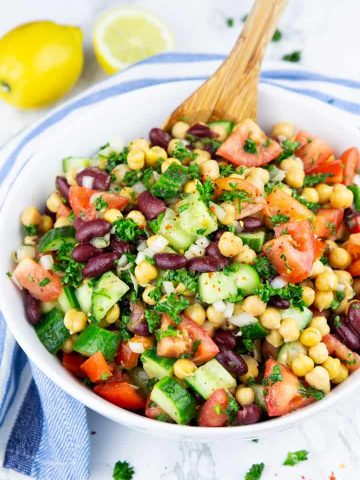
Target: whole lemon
pixel 39 62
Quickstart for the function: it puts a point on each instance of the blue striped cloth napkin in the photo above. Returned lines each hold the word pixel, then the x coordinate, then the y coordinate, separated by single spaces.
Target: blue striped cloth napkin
pixel 43 431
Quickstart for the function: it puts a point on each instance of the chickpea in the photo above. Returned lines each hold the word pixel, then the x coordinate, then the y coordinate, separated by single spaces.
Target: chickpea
pixel 128 193
pixel 71 176
pixel 30 216
pixel 344 277
pixel 295 177
pixel 343 374
pixel 75 320
pixel 179 130
pixel 30 240
pixel 289 330
pixel 308 296
pixel 271 318
pixel 285 129
pixel 323 300
pixel 302 364
pixel 112 215
pixel 324 191
pixel 173 144
pixel 333 367
pixel 54 202
pixel 274 338
pixel 62 222
pixel 113 314
pixel 184 368
pixel 326 281
pixel 155 238
pixel 317 269
pixel 202 153
pixel 319 353
pixel 245 255
pixel 339 258
pixel 146 295
pixel 260 173
pixel 139 144
pixel 45 224
pixel 230 210
pixel 190 186
pixel 210 169
pixel 67 346
pixel 319 378
pixel 356 286
pixel 253 370
pixel 166 163
pixel 221 132
pixel 310 194
pixel 310 337
pixel 145 272
pixel 245 395
pixel 155 155
pixel 229 244
pixel 215 317
pixel 254 305
pixel 136 159
pixel 196 313
pixel 137 217
pixel 291 163
pixel 341 197
pixel 320 323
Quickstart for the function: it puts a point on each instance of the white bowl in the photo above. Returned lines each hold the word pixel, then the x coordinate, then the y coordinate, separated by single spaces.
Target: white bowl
pixel 131 115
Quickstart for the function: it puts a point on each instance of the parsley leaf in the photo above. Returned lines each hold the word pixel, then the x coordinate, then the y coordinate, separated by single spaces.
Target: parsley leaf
pixel 338 298
pixel 170 182
pixel 314 207
pixel 30 230
pixel 295 457
pixel 205 190
pixel 255 472
pixel 100 204
pixel 293 57
pixel 232 268
pixel 184 277
pixel 182 153
pixel 169 332
pixel 288 147
pixel 250 146
pixel 291 292
pixel 126 229
pixel 277 36
pixel 274 377
pixel 172 306
pixel 153 320
pixel 124 333
pixel 279 218
pixel 264 267
pixel 316 178
pixel 309 391
pixel 193 171
pixel 115 159
pixel 130 178
pixel 230 22
pixel 155 224
pixel 72 270
pixel 234 194
pixel 123 471
pixel 44 282
pixel 212 143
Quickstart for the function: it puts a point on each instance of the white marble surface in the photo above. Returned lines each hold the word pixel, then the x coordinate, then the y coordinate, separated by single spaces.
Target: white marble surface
pixel 327 33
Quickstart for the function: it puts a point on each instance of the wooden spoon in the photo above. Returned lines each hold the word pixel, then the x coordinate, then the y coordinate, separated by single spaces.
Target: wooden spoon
pixel 231 92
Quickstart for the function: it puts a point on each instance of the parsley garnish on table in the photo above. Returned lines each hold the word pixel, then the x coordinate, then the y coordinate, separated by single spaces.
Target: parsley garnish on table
pixel 255 472
pixel 123 471
pixel 293 57
pixel 277 36
pixel 295 457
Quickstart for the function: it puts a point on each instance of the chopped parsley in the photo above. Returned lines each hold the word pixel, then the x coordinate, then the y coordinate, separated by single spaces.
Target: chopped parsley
pixel 30 230
pixel 274 377
pixel 234 194
pixel 126 229
pixel 308 391
pixel 226 170
pixel 169 332
pixel 264 267
pixel 279 218
pixel 288 149
pixel 332 228
pixel 230 22
pixel 155 224
pixel 123 471
pixel 170 183
pixel 237 298
pixel 291 292
pixel 124 333
pixel 100 204
pixel 232 268
pixel 72 270
pixel 114 159
pixel 324 260
pixel 150 260
pixel 295 457
pixel 277 36
pixel 172 306
pixel 316 178
pixel 184 277
pixel 155 294
pixel 293 57
pixel 193 171
pixel 338 298
pixel 130 178
pixel 212 143
pixel 255 472
pixel 148 178
pixel 153 320
pixel 205 190
pixel 182 153
pixel 250 146
pixel 314 207
pixel 44 282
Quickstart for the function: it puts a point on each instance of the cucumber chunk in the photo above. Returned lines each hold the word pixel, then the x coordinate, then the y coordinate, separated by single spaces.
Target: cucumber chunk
pixel 209 377
pixel 83 295
pixel 289 351
pixel 227 124
pixel 216 286
pixel 108 290
pixel 170 229
pixel 157 367
pixel 247 279
pixel 67 299
pixel 356 191
pixel 195 218
pixel 75 163
pixel 255 240
pixel 95 339
pixel 54 238
pixel 174 399
pixel 302 318
pixel 52 331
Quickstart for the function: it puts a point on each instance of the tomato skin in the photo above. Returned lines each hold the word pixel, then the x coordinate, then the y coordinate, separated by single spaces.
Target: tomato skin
pixel 126 357
pixel 312 150
pixel 351 161
pixel 282 397
pixel 319 248
pixel 207 348
pixel 96 368
pixel 341 351
pixel 354 269
pixel 292 262
pixel 29 274
pixel 226 184
pixel 233 147
pixel 281 202
pixel 72 362
pixel 121 394
pixel 208 415
pixel 352 245
pixel 335 168
pixel 327 222
pixel 79 198
pixel 152 410
pixel 63 211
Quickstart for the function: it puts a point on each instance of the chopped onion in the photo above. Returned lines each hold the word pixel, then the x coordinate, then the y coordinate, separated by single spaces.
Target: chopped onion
pixel 122 262
pixel 278 282
pixel 229 310
pixel 116 144
pixel 94 196
pixel 242 319
pixel 202 242
pixel 104 152
pixel 238 226
pixel 87 181
pixel 219 212
pixel 219 306
pixel 136 347
pixel 194 251
pixel 156 175
pixel 135 283
pixel 159 244
pixel 101 242
pixel 24 251
pixel 47 262
pixel 356 180
pixel 168 287
pixel 140 257
pixel 139 187
pixel 141 246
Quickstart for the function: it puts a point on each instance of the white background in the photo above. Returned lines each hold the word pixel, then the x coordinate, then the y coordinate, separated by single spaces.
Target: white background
pixel 327 32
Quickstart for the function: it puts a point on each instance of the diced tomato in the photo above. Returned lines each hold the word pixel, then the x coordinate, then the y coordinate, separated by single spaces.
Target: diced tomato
pixel 327 222
pixel 121 394
pixel 351 161
pixel 282 396
pixel 30 275
pixel 248 208
pixel 207 348
pixel 312 150
pixel 72 362
pixel 126 357
pixel 152 410
pixel 319 248
pixel 229 183
pixel 174 346
pixel 341 351
pixel 63 211
pixel 210 413
pixel 353 224
pixel 352 245
pixel 292 252
pixel 96 368
pixel 335 168
pixel 354 269
pixel 80 197
pixel 233 147
pixel 281 202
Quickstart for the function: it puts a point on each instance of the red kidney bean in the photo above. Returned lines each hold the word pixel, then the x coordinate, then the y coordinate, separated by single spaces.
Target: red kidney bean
pixel 32 308
pixel 100 264
pixel 218 234
pixel 84 251
pixel 268 350
pixel 101 178
pixel 232 361
pixel 279 302
pixel 201 131
pixel 317 313
pixel 248 414
pixel 119 246
pixel 353 316
pixel 250 224
pixel 92 229
pixel 159 138
pixel 225 339
pixel 344 332
pixel 63 187
pixel 203 264
pixel 78 222
pixel 142 329
pixel 213 251
pixel 170 261
pixel 150 206
pixel 50 213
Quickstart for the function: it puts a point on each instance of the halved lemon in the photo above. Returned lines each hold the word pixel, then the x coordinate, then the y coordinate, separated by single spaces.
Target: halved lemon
pixel 126 35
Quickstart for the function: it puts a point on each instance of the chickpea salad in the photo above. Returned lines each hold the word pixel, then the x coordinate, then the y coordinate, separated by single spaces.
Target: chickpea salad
pixel 206 276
